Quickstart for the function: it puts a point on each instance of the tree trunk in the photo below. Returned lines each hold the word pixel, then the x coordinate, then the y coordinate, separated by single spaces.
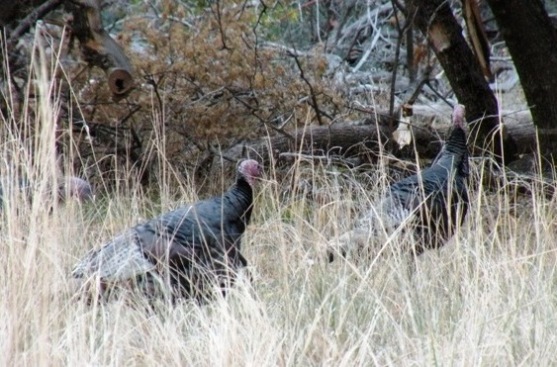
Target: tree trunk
pixel 532 42
pixel 435 19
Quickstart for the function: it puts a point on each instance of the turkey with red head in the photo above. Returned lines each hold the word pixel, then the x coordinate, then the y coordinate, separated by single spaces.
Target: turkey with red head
pixel 431 203
pixel 188 251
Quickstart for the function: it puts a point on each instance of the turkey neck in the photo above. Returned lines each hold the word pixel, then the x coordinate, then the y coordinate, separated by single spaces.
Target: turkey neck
pixel 240 197
pixel 457 142
pixel 454 155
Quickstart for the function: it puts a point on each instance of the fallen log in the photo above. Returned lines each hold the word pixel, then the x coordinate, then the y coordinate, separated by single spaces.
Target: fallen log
pixel 342 138
pixel 428 128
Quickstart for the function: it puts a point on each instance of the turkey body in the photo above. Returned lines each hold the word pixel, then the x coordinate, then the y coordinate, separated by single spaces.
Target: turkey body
pixel 188 250
pixel 431 203
pixel 434 202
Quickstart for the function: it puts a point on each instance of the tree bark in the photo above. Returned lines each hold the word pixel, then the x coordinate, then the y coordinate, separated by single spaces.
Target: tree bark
pixel 313 139
pixel 435 19
pixel 532 42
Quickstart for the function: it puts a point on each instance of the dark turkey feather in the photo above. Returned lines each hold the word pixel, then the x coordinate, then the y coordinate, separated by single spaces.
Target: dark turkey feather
pixel 188 249
pixel 433 202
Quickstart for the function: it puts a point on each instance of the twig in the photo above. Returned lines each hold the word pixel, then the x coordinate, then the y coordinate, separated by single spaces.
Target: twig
pixel 154 84
pixel 218 15
pixel 442 97
pixel 401 32
pixel 312 92
pixel 129 115
pixel 136 140
pixel 418 89
pixel 410 15
pixel 254 113
pixel 349 9
pixel 400 7
pixel 256 39
pixel 371 47
pixel 364 21
pixel 353 43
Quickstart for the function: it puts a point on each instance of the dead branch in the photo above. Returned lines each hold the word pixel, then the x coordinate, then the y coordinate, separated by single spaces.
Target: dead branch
pixel 347 139
pixel 24 25
pixel 314 103
pixel 98 48
pixel 323 138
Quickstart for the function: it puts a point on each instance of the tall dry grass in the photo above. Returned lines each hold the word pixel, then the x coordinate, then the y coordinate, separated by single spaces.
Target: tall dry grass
pixel 487 298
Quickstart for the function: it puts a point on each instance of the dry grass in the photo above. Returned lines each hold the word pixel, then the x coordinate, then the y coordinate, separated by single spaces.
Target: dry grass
pixel 487 298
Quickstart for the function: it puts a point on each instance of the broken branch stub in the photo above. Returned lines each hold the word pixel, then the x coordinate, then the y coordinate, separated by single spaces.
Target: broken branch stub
pixel 98 48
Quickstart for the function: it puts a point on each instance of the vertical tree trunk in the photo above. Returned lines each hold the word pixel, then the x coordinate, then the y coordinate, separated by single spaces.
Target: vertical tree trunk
pixel 435 19
pixel 532 42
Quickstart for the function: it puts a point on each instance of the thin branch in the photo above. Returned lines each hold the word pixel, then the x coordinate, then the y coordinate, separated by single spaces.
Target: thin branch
pixel 263 121
pixel 444 98
pixel 410 15
pixel 353 43
pixel 348 11
pixel 129 115
pixel 154 84
pixel 401 32
pixel 377 35
pixel 30 19
pixel 312 92
pixel 218 16
pixel 418 89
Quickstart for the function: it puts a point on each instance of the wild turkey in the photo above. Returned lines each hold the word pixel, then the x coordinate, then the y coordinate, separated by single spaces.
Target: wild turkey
pixel 432 203
pixel 187 251
pixel 69 187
